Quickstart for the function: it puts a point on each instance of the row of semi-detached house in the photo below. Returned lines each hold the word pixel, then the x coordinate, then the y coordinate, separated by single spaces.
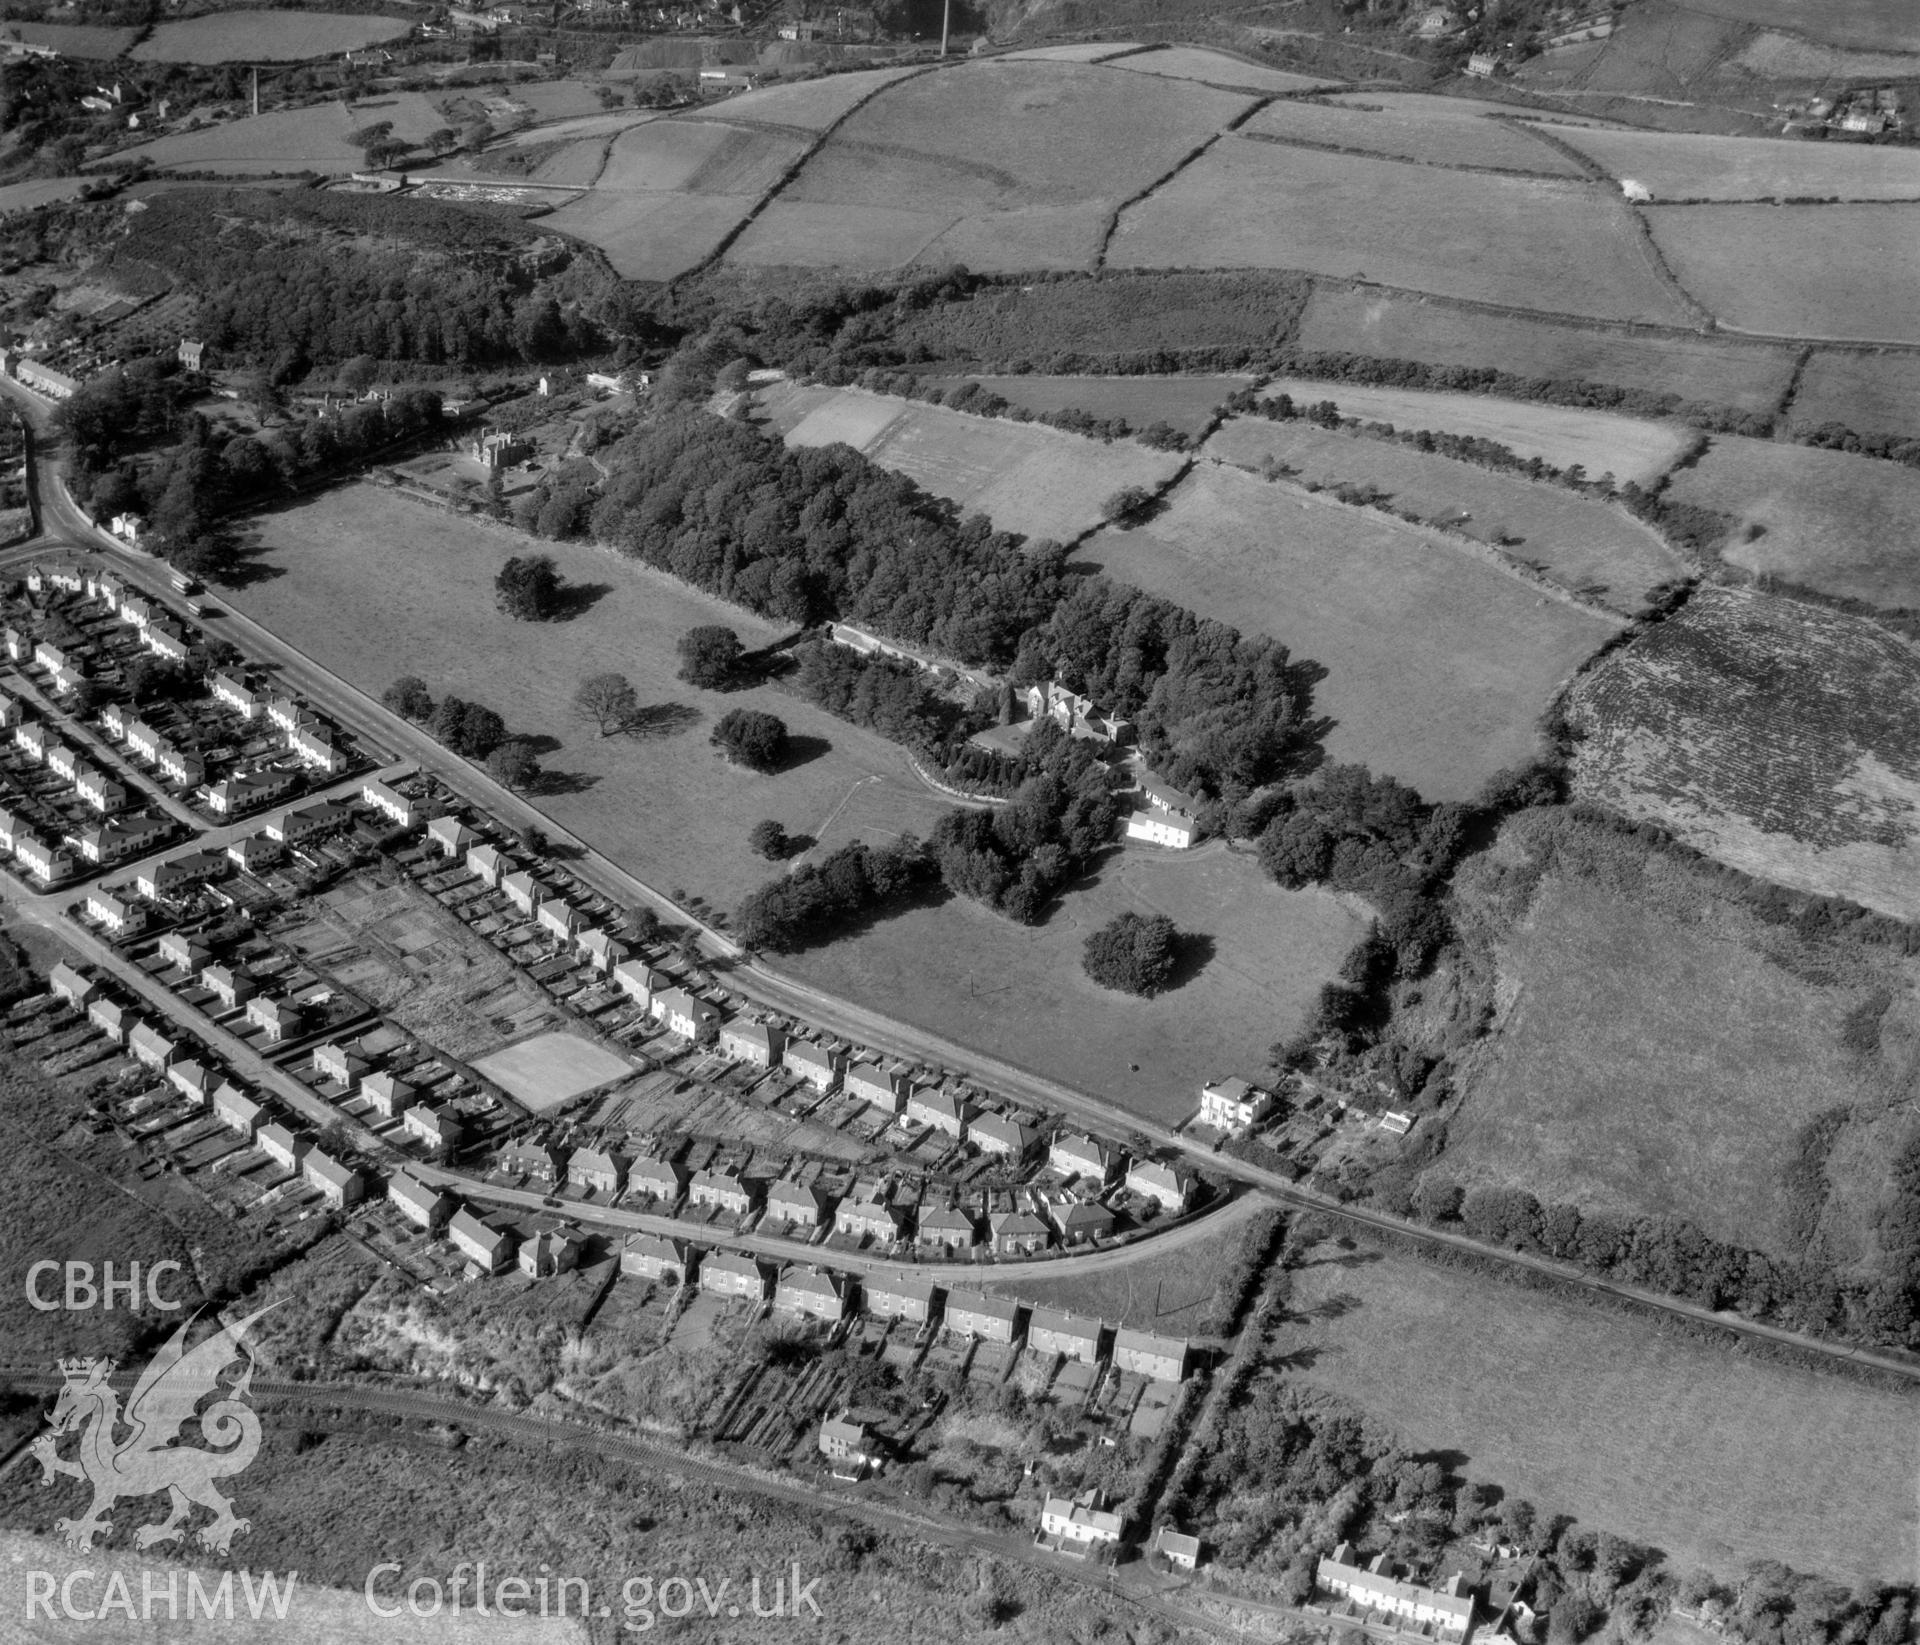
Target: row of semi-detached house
pixel 308 735
pixel 183 1063
pixel 480 1238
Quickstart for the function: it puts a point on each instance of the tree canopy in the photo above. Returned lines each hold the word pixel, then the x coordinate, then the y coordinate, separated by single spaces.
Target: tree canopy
pixel 1132 953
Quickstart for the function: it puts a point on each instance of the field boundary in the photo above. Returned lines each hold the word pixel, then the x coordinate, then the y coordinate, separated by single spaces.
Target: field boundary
pixel 1291 140
pixel 1113 219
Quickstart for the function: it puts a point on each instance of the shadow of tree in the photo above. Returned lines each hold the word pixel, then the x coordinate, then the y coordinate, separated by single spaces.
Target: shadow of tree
pixel 562 782
pixel 576 599
pixel 802 750
pixel 1191 955
pixel 662 720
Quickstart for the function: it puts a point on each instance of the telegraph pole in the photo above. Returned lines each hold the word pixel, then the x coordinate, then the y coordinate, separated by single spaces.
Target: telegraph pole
pixel 946 17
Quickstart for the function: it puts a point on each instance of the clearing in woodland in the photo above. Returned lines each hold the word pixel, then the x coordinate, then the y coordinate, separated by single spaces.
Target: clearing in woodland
pixel 1024 477
pixel 659 801
pixel 1439 663
pixel 1774 735
pixel 266 37
pixel 1430 135
pixel 1772 268
pixel 1662 1051
pixel 1714 1457
pixel 1254 959
pixel 1820 519
pixel 1583 544
pixel 1357 320
pixel 1690 166
pixel 1628 448
pixel 1535 243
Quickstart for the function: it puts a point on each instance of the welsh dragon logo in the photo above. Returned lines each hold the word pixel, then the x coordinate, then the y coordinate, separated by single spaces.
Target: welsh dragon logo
pixel 149 1459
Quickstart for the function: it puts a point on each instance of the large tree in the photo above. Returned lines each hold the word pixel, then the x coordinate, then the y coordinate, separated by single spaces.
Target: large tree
pixel 408 697
pixel 609 700
pixel 1133 953
pixel 528 588
pixel 709 655
pixel 513 765
pixel 753 738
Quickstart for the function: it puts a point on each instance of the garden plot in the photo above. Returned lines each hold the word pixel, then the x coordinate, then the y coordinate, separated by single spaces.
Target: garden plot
pixel 553 1069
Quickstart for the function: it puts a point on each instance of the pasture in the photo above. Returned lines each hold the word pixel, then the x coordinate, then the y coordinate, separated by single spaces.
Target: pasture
pixel 1883 25
pixel 1628 448
pixel 1084 51
pixel 1356 320
pixel 1579 542
pixel 1185 403
pixel 1714 1457
pixel 1256 959
pixel 314 138
pixel 697 157
pixel 551 1069
pixel 1821 519
pixel 1662 1049
pixel 1216 68
pixel 1772 269
pixel 1430 135
pixel 1438 662
pixel 1023 477
pixel 267 36
pixel 1534 243
pixel 870 237
pixel 651 236
pixel 89 42
pixel 811 105
pixel 1773 735
pixel 38 192
pixel 1870 393
pixel 1686 166
pixel 661 803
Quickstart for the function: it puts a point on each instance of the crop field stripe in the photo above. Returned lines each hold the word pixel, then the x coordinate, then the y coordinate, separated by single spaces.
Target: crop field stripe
pixel 792 171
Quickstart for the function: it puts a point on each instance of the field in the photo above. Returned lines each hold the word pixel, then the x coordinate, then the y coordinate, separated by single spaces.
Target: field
pixel 1023 476
pixel 1030 160
pixel 810 105
pixel 1215 68
pixel 266 37
pixel 1439 664
pixel 697 156
pixel 350 601
pixel 1787 56
pixel 1579 542
pixel 1354 320
pixel 1884 25
pixel 651 236
pixel 1822 519
pixel 1086 51
pixel 1869 393
pixel 1432 135
pixel 1772 269
pixel 1186 403
pixel 26 196
pixel 71 39
pixel 1018 992
pixel 1712 1457
pixel 308 139
pixel 1532 243
pixel 1663 1049
pixel 1683 166
pixel 1776 736
pixel 1628 448
pixel 551 1069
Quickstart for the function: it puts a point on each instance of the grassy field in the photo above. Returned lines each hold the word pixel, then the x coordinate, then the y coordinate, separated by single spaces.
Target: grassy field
pixel 1579 542
pixel 1023 476
pixel 1086 51
pixel 1354 320
pixel 266 37
pixel 811 105
pixel 308 139
pixel 1018 991
pixel 1870 393
pixel 1822 519
pixel 1719 254
pixel 665 806
pixel 1628 448
pixel 870 237
pixel 697 156
pixel 25 196
pixel 1663 1050
pixel 1538 244
pixel 1186 403
pixel 1886 25
pixel 651 236
pixel 1439 664
pixel 1215 68
pixel 550 1069
pixel 71 39
pixel 1714 1458
pixel 1776 736
pixel 1683 166
pixel 1433 134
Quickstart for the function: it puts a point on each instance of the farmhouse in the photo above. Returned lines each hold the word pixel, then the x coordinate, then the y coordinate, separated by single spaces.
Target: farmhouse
pixel 67 984
pixel 340 1184
pixel 599 1170
pixel 744 1040
pixel 128 837
pixel 1081 1221
pixel 488 1248
pixel 277 1020
pixel 489 865
pixel 728 1275
pixel 656 1179
pixel 940 1109
pixel 452 836
pixel 996 1134
pixel 1075 1154
pixel 870 1216
pixel 390 1097
pixel 684 1015
pixel 819 1067
pixel 238 1111
pixel 339 1063
pixel 648 1256
pixel 815 1293
pixel 550 1251
pixel 1233 1104
pixel 950 1227
pixel 1162 1358
pixel 1171 1185
pixel 991 1319
pixel 1178 1549
pixel 390 802
pixel 795 1205
pixel 1078 1526
pixel 1373 1587
pixel 230 987
pixel 912 1300
pixel 1020 1234
pixel 435 1127
pixel 722 1190
pixel 422 1205
pixel 1173 829
pixel 282 1147
pixel 874 1086
pixel 1074 714
pixel 112 1019
pixel 1055 1331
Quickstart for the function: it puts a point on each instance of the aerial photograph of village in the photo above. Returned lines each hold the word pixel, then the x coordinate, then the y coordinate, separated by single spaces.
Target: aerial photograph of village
pixel 1082 822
